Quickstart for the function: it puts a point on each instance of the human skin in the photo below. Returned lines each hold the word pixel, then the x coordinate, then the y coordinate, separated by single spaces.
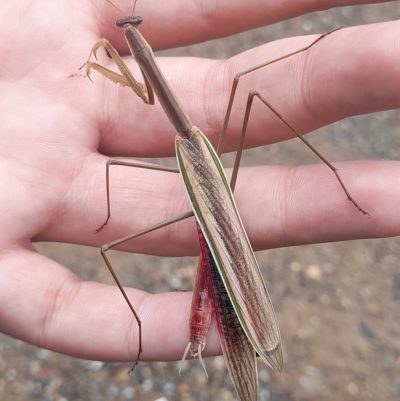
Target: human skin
pixel 58 131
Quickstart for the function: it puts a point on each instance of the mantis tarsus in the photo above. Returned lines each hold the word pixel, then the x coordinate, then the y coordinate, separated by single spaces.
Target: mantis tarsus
pixel 210 195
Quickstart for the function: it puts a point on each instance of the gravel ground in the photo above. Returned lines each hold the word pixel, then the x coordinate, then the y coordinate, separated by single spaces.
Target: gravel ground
pixel 339 319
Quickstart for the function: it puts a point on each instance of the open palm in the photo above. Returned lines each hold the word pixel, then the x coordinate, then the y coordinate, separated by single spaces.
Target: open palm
pixel 58 130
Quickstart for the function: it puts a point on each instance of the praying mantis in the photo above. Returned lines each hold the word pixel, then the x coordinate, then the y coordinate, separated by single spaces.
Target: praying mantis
pixel 237 283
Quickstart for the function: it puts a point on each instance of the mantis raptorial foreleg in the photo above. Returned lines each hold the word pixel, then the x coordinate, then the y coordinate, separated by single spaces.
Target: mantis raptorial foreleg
pixel 126 78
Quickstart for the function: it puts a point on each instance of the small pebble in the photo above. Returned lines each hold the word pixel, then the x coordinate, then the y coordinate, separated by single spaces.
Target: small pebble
pixel 309 384
pixel 346 303
pixel 147 385
pixel 307 25
pixel 325 299
pixel 218 363
pixel 112 391
pixel 295 267
pixel 11 374
pixel 313 272
pixel 168 387
pixel 352 389
pixel 128 393
pixel 43 353
pixel 96 365
pixel 264 395
pixel 145 372
pixel 264 376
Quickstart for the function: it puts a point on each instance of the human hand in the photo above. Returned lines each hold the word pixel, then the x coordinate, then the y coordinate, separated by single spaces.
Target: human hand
pixel 58 132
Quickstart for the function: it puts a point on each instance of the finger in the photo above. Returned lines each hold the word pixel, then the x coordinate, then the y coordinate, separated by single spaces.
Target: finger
pixel 344 74
pixel 306 205
pixel 280 206
pixel 46 303
pixel 337 78
pixel 165 27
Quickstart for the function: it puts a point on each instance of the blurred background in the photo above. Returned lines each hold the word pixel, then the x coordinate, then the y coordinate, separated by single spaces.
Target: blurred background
pixel 339 318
